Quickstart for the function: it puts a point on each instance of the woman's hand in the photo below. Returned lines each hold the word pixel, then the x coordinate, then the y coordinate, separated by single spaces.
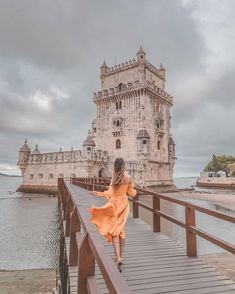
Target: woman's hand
pixel 92 193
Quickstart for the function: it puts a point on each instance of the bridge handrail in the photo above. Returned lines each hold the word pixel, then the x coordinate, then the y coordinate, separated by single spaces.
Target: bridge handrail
pixel 190 217
pixel 84 251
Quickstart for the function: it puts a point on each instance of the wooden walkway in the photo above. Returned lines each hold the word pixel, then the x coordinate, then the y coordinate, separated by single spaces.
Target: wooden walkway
pixel 152 262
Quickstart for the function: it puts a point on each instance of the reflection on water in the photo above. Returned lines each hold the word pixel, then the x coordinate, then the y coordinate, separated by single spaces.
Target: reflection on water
pixel 218 228
pixel 29 228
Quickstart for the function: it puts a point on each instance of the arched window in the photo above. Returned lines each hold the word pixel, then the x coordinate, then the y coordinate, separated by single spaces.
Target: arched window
pixel 120 87
pixel 158 144
pixel 31 176
pixel 40 176
pixel 118 144
pixel 118 123
pixel 50 176
pixel 118 104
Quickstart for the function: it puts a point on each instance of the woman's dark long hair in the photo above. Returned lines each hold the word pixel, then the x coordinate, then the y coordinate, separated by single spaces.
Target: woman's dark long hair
pixel 118 173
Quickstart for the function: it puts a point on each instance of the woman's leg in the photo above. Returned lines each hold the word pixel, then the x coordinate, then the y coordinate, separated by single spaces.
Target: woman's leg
pixel 116 247
pixel 122 243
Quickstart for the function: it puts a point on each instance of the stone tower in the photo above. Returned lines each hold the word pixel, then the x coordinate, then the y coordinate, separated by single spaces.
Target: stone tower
pixel 133 119
pixel 24 153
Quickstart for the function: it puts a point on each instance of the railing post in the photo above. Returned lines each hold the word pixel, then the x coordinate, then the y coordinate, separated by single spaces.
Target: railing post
pixel 156 217
pixel 135 206
pixel 69 207
pixel 75 226
pixel 191 238
pixel 86 265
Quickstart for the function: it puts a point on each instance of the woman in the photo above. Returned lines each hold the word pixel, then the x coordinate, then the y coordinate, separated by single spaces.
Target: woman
pixel 111 218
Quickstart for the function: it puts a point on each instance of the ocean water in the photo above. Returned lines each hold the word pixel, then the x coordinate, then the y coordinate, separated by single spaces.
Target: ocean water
pixel 30 230
pixel 218 228
pixel 29 227
pixel 185 182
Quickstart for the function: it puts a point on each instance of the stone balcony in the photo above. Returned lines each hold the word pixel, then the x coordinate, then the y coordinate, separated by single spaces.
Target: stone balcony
pixel 129 87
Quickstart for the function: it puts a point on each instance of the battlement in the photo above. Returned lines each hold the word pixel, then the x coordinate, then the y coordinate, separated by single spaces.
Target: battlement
pixel 120 67
pixel 64 156
pixel 54 157
pixel 132 87
pixel 130 65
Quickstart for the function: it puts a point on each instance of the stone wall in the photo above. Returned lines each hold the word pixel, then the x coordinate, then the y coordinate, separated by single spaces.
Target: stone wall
pixel 132 121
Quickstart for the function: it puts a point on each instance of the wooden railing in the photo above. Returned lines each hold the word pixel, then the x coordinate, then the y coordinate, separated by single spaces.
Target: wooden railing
pixel 86 248
pixel 190 218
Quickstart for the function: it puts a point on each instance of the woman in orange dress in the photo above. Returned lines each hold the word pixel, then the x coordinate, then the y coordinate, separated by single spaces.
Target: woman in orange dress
pixel 111 218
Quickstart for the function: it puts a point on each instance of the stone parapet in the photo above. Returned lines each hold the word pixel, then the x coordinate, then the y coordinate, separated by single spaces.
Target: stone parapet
pixel 64 156
pixel 131 88
pixel 131 64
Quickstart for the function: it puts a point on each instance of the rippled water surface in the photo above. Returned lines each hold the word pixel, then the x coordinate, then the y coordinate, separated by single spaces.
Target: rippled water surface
pixel 29 228
pixel 218 228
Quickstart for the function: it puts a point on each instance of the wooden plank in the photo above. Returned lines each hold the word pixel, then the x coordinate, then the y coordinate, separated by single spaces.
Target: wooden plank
pixel 154 288
pixel 153 263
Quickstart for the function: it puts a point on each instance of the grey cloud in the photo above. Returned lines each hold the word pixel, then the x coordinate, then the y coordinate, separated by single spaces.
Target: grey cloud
pixel 47 44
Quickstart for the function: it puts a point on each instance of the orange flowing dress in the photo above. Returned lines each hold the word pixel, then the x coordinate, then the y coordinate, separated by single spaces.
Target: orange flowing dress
pixel 111 218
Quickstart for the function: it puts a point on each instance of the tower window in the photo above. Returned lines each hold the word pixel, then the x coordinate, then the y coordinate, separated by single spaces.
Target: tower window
pixel 118 123
pixel 118 104
pixel 144 142
pixel 88 149
pixel 118 144
pixel 158 144
pixel 94 130
pixel 120 87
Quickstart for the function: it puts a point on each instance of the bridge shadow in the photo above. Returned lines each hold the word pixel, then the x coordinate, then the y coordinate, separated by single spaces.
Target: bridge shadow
pixel 152 262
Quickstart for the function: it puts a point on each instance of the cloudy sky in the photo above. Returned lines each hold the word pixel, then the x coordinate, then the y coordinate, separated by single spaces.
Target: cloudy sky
pixel 51 51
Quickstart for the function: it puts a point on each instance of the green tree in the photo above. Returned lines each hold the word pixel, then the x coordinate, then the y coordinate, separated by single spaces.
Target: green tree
pixel 221 162
pixel 231 167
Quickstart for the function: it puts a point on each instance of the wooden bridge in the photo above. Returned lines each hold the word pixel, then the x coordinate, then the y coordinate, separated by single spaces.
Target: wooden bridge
pixel 152 262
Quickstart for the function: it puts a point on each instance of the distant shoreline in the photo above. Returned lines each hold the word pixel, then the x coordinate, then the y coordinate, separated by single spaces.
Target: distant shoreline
pixel 11 176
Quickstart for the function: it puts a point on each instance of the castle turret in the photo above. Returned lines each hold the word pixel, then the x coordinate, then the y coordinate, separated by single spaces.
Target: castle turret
pixel 143 142
pixel 171 147
pixel 162 71
pixel 103 72
pixel 103 69
pixel 141 55
pixel 89 146
pixel 36 151
pixel 36 154
pixel 23 159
